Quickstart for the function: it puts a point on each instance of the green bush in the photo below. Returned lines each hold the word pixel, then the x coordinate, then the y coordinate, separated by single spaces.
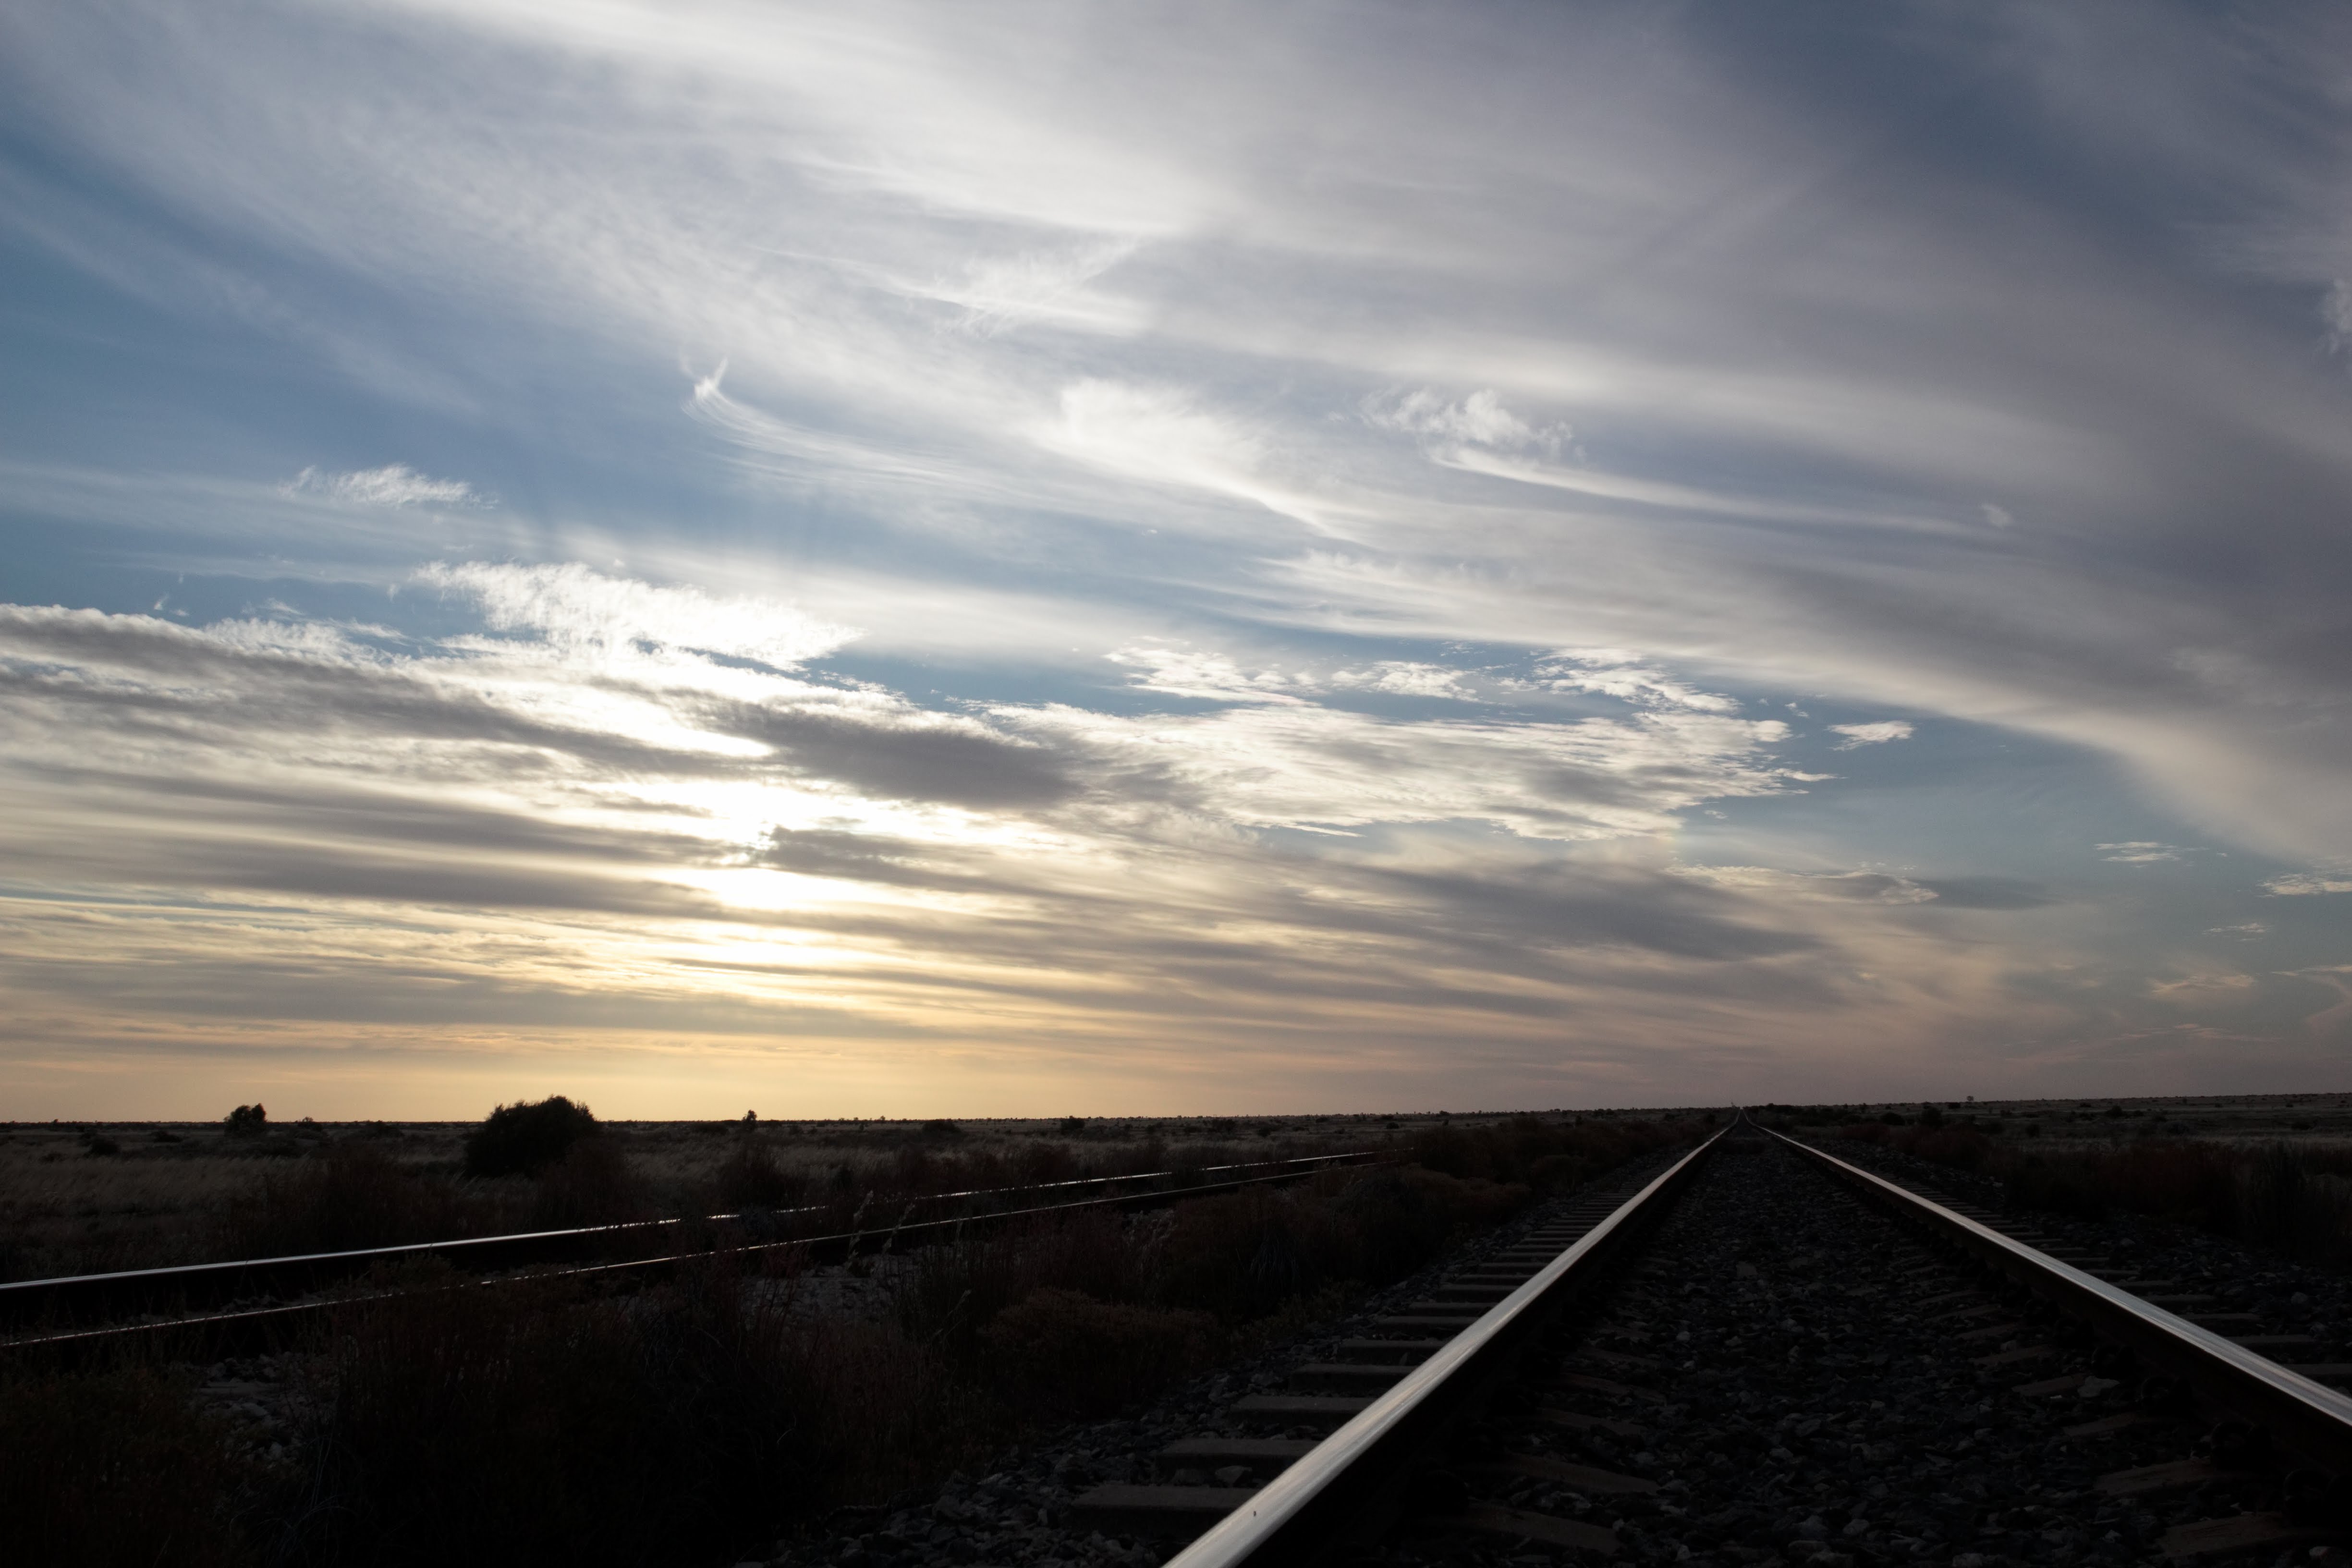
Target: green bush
pixel 523 1138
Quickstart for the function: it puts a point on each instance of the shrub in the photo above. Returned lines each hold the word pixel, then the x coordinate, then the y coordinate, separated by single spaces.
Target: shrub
pixel 1062 1352
pixel 520 1139
pixel 247 1122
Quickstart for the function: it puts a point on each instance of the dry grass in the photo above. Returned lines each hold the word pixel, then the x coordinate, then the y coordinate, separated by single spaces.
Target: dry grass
pixel 116 1466
pixel 554 1423
pixel 2295 1199
pixel 206 1196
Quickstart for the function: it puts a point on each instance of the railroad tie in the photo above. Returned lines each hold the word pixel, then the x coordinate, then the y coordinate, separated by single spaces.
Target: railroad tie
pixel 1346 1377
pixel 1515 1524
pixel 2064 1383
pixel 1590 1384
pixel 1327 1410
pixel 1580 1421
pixel 1177 1514
pixel 2242 1532
pixel 2106 1426
pixel 1413 1350
pixel 1585 1479
pixel 1262 1456
pixel 2178 1473
pixel 1995 1330
pixel 1966 1312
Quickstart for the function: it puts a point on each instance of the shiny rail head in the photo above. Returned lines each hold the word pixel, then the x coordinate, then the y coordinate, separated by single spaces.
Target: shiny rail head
pixel 1251 1529
pixel 2320 1400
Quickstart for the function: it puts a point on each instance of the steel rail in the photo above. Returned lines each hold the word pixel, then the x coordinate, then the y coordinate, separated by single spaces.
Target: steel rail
pixel 1326 1497
pixel 190 1284
pixel 249 1321
pixel 2309 1420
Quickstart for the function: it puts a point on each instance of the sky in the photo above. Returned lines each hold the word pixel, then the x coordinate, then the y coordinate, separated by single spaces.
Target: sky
pixel 1142 558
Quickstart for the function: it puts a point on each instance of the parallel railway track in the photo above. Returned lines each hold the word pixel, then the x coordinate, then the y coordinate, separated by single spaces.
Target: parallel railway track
pixel 1764 1355
pixel 237 1306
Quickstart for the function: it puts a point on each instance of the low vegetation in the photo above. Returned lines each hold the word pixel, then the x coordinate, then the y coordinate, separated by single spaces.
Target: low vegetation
pixel 561 1422
pixel 2292 1199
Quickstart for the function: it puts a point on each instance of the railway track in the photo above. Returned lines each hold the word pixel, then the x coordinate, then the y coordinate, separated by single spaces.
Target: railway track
pixel 1761 1355
pixel 238 1306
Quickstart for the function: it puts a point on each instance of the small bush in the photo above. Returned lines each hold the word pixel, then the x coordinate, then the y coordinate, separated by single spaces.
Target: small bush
pixel 247 1122
pixel 523 1138
pixel 1061 1353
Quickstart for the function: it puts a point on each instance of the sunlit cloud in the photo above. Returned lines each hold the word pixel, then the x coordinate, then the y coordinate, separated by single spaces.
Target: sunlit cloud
pixel 1074 546
pixel 1877 733
pixel 2300 884
pixel 2140 853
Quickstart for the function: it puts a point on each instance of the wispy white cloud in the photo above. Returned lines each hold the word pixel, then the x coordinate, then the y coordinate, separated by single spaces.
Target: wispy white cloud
pixel 2141 853
pixel 1477 420
pixel 1615 673
pixel 2307 884
pixel 580 609
pixel 394 484
pixel 1876 733
pixel 1407 677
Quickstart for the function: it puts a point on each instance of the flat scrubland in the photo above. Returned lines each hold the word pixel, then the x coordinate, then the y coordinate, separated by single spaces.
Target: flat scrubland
pixel 708 1415
pixel 2271 1171
pixel 93 1197
pixel 703 1418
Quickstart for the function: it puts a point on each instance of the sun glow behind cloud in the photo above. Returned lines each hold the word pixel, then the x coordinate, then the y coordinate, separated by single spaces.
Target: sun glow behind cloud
pixel 1258 556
